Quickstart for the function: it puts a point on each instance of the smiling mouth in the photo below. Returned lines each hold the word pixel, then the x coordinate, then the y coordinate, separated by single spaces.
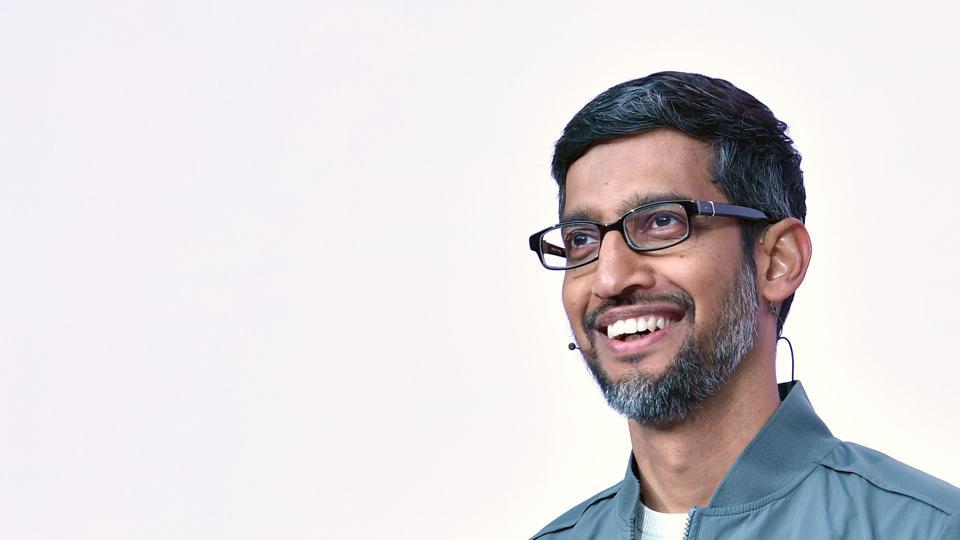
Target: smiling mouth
pixel 629 329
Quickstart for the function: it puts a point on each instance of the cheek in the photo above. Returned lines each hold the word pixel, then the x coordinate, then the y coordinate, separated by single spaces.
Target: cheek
pixel 574 299
pixel 704 279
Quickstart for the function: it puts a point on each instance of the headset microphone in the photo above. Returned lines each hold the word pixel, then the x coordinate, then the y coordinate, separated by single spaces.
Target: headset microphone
pixel 572 346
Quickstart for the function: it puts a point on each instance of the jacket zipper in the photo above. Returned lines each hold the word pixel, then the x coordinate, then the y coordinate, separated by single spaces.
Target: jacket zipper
pixel 686 526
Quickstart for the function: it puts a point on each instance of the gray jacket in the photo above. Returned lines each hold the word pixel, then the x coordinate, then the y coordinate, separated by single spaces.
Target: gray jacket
pixel 793 481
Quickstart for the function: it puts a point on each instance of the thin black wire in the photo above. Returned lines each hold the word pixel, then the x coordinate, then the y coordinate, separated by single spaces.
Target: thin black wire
pixel 785 338
pixel 792 378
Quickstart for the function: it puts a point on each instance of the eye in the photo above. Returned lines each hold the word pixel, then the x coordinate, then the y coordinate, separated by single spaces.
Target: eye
pixel 579 238
pixel 655 226
pixel 663 220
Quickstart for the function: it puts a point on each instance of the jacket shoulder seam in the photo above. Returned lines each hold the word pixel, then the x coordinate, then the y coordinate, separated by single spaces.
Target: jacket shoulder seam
pixel 889 489
pixel 940 505
pixel 570 518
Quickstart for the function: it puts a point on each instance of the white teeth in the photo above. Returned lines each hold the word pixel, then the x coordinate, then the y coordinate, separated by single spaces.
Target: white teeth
pixel 636 326
pixel 618 328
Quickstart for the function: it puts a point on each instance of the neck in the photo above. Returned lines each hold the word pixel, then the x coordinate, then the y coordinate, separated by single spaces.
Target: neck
pixel 681 465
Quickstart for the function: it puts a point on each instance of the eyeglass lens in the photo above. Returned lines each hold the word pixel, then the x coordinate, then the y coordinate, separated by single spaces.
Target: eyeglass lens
pixel 647 228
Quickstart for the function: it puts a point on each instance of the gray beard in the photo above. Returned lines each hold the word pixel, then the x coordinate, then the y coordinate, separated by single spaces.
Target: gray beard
pixel 701 365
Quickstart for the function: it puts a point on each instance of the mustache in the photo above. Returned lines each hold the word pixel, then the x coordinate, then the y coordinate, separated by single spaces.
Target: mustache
pixel 679 298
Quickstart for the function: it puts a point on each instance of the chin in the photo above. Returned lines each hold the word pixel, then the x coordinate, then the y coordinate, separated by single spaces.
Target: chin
pixel 643 365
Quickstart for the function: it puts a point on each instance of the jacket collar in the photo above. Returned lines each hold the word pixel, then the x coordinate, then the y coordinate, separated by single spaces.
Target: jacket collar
pixel 788 445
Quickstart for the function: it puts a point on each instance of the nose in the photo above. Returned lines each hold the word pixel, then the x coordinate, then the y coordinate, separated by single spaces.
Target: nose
pixel 620 269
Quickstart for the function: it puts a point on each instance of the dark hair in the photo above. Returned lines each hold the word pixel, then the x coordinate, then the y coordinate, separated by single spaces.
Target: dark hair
pixel 755 163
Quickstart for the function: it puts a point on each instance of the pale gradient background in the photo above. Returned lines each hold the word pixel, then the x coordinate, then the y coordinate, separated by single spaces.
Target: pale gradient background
pixel 264 267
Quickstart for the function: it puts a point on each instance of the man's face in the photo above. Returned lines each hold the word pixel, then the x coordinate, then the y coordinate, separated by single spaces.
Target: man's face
pixel 701 295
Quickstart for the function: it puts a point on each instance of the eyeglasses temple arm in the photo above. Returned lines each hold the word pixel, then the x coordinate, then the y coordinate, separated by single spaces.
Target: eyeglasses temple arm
pixel 710 208
pixel 538 244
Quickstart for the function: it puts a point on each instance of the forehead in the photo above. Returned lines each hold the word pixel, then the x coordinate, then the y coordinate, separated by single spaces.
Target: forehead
pixel 612 176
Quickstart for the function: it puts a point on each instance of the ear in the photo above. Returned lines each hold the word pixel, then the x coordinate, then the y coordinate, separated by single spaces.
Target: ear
pixel 785 252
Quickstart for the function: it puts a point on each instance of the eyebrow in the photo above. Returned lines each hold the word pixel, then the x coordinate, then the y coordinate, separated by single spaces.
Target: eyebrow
pixel 590 214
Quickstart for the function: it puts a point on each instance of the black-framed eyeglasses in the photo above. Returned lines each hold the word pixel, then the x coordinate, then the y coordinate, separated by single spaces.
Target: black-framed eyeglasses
pixel 649 227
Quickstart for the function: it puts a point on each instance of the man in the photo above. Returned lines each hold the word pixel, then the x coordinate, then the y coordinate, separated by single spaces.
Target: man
pixel 682 242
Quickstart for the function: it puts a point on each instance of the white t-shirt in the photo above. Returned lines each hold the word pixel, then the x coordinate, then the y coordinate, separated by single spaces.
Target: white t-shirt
pixel 661 526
